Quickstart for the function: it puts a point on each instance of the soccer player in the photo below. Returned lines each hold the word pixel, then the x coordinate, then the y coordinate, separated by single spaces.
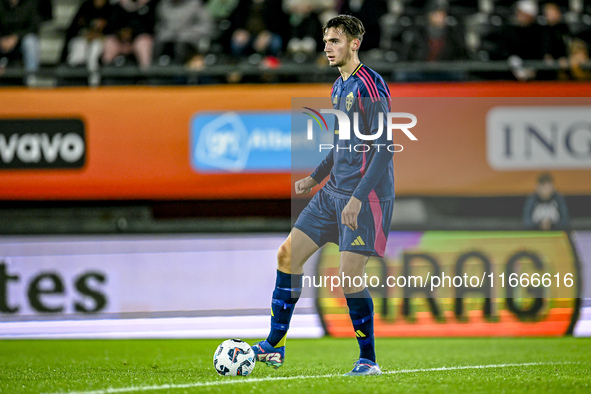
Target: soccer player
pixel 353 209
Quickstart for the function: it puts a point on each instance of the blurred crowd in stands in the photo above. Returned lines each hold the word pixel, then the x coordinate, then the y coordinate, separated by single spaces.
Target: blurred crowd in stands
pixel 201 33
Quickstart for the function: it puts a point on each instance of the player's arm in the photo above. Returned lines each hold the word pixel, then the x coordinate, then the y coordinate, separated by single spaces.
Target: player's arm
pixel 304 186
pixel 382 156
pixel 323 168
pixel 376 167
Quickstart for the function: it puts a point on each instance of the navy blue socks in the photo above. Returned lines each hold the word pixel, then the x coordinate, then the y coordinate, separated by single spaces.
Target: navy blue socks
pixel 288 289
pixel 361 312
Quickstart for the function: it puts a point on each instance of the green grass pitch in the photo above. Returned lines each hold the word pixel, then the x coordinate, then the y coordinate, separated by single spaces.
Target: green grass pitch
pixel 438 365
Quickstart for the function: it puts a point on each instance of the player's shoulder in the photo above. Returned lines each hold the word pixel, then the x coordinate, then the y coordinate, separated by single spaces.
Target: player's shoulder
pixel 370 83
pixel 336 83
pixel 364 71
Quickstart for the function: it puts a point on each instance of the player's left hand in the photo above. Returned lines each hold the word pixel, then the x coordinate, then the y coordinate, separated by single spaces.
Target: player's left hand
pixel 304 186
pixel 350 213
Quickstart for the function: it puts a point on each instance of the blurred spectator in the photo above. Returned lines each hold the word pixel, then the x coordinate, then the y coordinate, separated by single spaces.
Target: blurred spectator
pixel 557 34
pixel 180 26
pixel 304 19
pixel 545 209
pixel 130 30
pixel 221 12
pixel 19 24
pixel 260 26
pixel 578 58
pixel 369 12
pixel 556 38
pixel 221 9
pixel 523 39
pixel 84 37
pixel 46 10
pixel 437 40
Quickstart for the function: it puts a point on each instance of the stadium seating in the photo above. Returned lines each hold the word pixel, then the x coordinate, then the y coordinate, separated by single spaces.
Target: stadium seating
pixel 481 19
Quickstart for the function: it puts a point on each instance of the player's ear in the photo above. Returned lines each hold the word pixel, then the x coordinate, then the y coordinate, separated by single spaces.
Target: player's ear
pixel 355 44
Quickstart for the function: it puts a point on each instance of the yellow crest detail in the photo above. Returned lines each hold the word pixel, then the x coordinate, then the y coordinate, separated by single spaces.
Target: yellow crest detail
pixel 349 101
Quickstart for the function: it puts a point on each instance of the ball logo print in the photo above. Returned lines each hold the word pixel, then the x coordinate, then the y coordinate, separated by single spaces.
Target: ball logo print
pixel 234 357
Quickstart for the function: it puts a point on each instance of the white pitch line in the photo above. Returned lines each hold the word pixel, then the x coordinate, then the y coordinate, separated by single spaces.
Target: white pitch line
pixel 279 378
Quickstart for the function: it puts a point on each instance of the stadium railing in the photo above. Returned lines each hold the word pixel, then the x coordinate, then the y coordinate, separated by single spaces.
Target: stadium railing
pixel 303 72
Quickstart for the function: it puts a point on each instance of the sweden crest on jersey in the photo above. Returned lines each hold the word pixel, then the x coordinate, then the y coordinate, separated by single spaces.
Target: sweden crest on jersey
pixel 349 101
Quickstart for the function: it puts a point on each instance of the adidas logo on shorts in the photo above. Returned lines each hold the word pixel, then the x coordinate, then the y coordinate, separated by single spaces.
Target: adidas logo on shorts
pixel 358 241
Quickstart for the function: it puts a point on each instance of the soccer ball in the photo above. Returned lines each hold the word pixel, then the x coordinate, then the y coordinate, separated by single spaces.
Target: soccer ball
pixel 234 358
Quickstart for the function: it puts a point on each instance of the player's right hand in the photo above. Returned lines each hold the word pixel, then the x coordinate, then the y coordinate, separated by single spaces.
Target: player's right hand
pixel 304 186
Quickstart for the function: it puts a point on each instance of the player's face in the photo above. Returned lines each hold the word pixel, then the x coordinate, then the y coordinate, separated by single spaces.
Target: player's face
pixel 339 50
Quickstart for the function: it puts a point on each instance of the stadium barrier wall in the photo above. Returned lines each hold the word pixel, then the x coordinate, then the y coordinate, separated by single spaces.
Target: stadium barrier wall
pixel 464 284
pixel 182 286
pixel 187 286
pixel 233 141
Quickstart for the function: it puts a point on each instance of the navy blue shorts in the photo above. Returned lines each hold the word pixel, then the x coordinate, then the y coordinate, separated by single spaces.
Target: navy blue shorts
pixel 321 221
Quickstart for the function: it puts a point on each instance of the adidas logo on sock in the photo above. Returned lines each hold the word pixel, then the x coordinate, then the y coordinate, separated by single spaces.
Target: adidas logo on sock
pixel 358 241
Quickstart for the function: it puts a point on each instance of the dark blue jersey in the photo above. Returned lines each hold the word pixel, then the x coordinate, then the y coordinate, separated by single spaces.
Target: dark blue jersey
pixel 357 167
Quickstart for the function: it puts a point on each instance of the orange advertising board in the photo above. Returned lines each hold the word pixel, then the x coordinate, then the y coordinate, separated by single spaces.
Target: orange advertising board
pixel 459 284
pixel 137 142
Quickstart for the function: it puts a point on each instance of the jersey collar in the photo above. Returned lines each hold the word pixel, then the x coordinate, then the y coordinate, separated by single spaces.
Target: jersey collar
pixel 357 69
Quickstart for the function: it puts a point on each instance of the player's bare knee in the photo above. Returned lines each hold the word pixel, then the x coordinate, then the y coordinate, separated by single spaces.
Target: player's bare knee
pixel 352 280
pixel 284 258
